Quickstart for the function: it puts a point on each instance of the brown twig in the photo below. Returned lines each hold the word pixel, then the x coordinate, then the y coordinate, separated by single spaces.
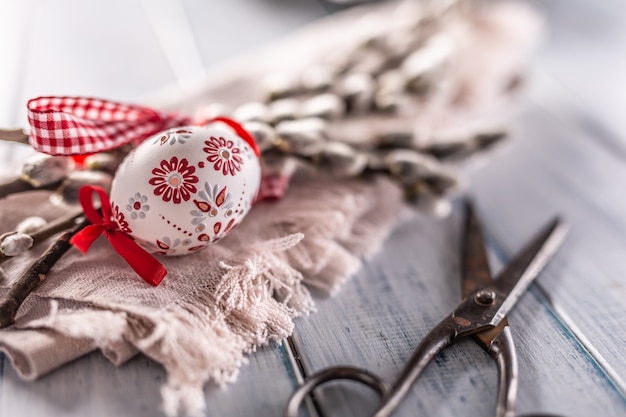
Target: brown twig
pixel 54 227
pixel 35 275
pixel 16 185
pixel 39 172
pixel 19 185
pixel 13 135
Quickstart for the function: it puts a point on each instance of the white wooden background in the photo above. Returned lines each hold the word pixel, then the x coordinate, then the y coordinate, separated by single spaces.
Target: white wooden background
pixel 567 156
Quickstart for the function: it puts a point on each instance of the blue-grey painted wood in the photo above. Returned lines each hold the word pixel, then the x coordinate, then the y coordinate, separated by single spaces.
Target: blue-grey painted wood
pixel 583 54
pixel 554 166
pixel 380 316
pixel 91 386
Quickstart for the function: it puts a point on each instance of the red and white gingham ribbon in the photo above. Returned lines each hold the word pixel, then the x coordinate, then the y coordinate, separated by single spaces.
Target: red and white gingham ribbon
pixel 79 125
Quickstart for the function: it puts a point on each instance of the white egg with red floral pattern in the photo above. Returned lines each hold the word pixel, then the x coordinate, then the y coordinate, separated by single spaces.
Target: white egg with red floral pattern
pixel 185 188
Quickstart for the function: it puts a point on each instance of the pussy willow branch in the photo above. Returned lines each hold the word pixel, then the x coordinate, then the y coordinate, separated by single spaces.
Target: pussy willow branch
pixel 15 185
pixel 19 185
pixel 38 171
pixel 35 275
pixel 56 226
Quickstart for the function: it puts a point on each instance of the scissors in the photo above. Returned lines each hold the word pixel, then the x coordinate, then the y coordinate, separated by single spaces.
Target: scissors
pixel 481 315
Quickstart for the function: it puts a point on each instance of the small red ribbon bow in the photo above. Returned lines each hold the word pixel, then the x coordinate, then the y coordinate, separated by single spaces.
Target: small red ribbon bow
pixel 143 263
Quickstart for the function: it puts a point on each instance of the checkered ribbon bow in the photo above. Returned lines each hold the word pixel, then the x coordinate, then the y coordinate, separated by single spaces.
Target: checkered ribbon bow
pixel 78 125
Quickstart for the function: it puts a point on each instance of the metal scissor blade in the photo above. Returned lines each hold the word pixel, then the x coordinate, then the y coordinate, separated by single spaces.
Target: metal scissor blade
pixel 497 341
pixel 517 276
pixel 476 272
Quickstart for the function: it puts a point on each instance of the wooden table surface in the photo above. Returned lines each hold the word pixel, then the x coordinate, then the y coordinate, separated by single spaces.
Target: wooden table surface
pixel 567 156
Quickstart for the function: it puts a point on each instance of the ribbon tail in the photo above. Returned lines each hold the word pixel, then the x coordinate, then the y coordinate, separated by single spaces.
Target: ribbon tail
pixel 83 239
pixel 143 263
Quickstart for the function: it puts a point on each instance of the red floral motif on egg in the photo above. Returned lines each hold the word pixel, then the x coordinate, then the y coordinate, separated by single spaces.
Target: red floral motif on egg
pixel 212 201
pixel 120 219
pixel 230 225
pixel 224 155
pixel 174 180
pixel 174 136
pixel 166 245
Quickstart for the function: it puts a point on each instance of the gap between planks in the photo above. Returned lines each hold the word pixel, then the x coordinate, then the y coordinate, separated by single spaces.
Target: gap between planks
pixel 503 255
pixel 298 368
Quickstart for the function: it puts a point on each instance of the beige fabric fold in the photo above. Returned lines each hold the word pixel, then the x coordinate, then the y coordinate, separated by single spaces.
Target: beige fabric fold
pixel 214 306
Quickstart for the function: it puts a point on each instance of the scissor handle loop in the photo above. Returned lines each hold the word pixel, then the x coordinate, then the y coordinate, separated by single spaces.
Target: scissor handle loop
pixel 333 374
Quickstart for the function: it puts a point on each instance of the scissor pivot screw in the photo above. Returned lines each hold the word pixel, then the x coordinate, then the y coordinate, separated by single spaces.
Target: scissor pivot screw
pixel 485 297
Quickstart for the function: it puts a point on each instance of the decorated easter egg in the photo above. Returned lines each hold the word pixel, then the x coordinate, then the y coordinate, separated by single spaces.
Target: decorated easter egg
pixel 185 188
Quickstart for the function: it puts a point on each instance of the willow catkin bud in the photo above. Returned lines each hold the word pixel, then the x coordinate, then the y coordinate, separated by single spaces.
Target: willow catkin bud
pixel 463 146
pixel 15 243
pixel 317 79
pixel 423 67
pixel 303 137
pixel 283 109
pixel 400 43
pixel 251 111
pixel 485 140
pixel 445 150
pixel 357 90
pixel 371 61
pixel 70 187
pixel 409 166
pixel 325 106
pixel 103 161
pixel 441 182
pixel 372 43
pixel 376 162
pixel 340 160
pixel 428 202
pixel 41 170
pixel 264 135
pixel 389 93
pixel 280 85
pixel 395 139
pixel 30 225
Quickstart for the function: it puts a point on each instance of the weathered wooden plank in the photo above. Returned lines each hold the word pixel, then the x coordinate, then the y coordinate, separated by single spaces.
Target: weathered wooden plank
pixel 556 167
pixel 91 386
pixel 380 316
pixel 583 54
